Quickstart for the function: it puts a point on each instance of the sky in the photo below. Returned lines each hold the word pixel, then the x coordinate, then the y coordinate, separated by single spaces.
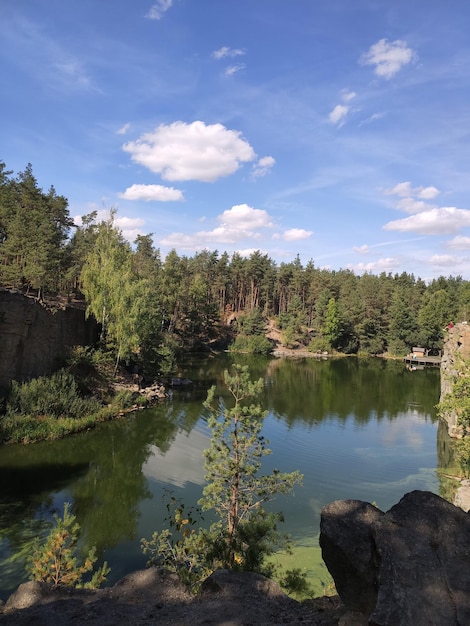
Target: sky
pixel 335 130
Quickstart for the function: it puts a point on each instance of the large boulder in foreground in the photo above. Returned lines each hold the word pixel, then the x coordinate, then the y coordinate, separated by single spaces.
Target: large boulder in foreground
pixel 407 566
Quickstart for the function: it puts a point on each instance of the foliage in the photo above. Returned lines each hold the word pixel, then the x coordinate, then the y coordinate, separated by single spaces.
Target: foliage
pixel 234 489
pixel 57 561
pixel 319 344
pixel 154 310
pixel 462 455
pixel 458 400
pixel 55 396
pixel 244 533
pixel 256 344
pixel 182 549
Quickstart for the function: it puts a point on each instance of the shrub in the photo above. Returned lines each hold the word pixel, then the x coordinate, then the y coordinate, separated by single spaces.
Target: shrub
pixel 462 454
pixel 256 344
pixel 57 561
pixel 56 396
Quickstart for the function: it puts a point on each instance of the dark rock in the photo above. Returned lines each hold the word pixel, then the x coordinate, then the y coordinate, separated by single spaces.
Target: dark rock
pixel 348 549
pixel 454 358
pixel 156 596
pixel 416 554
pixel 35 340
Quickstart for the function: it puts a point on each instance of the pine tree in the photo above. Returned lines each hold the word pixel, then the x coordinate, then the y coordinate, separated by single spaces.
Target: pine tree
pixel 235 489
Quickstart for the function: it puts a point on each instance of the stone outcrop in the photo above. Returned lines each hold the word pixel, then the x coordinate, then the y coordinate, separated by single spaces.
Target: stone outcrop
pixel 456 352
pixel 34 340
pixel 406 566
pixel 154 596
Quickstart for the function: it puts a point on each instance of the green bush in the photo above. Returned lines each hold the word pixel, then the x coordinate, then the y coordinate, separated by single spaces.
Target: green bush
pixel 462 454
pixel 256 344
pixel 58 561
pixel 56 396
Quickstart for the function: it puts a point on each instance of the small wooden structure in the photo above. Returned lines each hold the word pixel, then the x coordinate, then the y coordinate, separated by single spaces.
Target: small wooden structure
pixel 419 357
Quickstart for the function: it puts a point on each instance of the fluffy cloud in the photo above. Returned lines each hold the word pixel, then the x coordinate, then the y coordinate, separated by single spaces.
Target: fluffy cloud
pixel 412 198
pixel 444 260
pixel 361 249
pixel 157 10
pixel 381 265
pixel 338 114
pixel 459 243
pixel 296 234
pixel 388 58
pixel 263 166
pixel 239 222
pixel 437 221
pixel 149 193
pixel 195 151
pixel 405 190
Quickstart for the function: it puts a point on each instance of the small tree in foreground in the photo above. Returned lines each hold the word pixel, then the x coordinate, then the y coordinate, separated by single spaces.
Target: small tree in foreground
pixel 57 562
pixel 245 534
pixel 235 489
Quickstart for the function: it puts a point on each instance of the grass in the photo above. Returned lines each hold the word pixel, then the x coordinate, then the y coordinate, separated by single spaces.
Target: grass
pixel 307 557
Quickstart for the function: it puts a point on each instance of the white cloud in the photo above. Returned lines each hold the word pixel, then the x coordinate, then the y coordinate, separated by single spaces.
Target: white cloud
pixel 428 193
pixel 459 243
pixel 405 190
pixel 444 260
pixel 225 51
pixel 388 58
pixel 412 197
pixel 347 96
pixel 129 226
pixel 123 130
pixel 195 151
pixel 409 205
pixel 155 193
pixel 158 9
pixel 263 166
pixel 338 114
pixel 381 265
pixel 245 218
pixel 240 222
pixel 233 69
pixel 361 249
pixel 296 234
pixel 437 221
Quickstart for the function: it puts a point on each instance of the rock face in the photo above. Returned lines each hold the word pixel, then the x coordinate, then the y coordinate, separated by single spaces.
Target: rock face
pixel 456 350
pixel 406 566
pixel 34 340
pixel 153 596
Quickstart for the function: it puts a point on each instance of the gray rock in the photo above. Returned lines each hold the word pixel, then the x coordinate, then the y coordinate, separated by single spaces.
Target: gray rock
pixel 348 549
pixel 416 554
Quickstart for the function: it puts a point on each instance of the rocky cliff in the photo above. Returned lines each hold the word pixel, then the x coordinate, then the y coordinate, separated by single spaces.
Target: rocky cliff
pixel 456 352
pixel 408 566
pixel 34 340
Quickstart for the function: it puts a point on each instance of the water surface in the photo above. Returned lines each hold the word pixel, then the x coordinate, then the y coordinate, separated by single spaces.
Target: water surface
pixel 356 428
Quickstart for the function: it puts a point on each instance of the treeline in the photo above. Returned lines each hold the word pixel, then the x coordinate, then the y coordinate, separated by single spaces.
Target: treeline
pixel 157 307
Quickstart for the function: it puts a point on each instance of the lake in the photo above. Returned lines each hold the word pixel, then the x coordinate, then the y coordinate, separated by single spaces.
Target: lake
pixel 356 428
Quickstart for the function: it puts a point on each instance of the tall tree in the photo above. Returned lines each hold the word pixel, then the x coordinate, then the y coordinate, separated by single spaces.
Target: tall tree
pixel 235 489
pixel 113 292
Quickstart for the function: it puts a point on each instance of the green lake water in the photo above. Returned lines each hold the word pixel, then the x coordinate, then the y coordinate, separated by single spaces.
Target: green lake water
pixel 356 428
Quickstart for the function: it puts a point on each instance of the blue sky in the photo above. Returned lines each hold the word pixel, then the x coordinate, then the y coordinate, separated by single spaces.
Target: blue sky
pixel 338 130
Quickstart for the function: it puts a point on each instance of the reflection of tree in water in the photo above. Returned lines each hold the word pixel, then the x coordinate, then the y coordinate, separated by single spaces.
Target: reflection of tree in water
pixel 25 506
pixel 311 390
pixel 100 473
pixel 446 464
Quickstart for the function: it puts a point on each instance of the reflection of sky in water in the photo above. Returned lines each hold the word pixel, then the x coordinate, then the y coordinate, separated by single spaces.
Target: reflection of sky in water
pixel 183 463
